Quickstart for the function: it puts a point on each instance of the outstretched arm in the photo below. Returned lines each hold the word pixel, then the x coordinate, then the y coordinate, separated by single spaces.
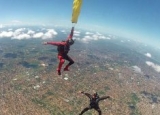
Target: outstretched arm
pixel 54 43
pixel 87 94
pixel 104 97
pixel 71 34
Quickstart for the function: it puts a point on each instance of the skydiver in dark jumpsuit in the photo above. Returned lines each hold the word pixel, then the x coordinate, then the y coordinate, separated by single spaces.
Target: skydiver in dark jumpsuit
pixel 94 100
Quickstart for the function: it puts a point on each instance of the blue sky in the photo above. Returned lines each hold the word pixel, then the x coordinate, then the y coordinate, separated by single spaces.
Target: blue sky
pixel 136 19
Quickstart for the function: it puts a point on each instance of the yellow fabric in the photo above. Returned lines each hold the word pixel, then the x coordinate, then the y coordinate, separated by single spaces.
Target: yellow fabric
pixel 76 10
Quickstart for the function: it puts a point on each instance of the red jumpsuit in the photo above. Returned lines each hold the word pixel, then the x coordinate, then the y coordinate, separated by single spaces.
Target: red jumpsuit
pixel 63 52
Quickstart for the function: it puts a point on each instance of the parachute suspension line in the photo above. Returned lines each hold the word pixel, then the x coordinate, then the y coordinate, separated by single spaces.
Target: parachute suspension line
pixel 73 24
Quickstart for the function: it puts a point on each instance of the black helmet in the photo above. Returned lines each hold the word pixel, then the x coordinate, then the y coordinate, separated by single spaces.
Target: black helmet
pixel 95 94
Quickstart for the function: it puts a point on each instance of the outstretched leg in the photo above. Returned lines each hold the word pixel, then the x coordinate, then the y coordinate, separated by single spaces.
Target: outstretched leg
pixel 61 62
pixel 69 64
pixel 84 110
pixel 98 110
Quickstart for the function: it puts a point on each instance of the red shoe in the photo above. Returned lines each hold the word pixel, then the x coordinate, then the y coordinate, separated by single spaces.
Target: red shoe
pixel 59 72
pixel 66 69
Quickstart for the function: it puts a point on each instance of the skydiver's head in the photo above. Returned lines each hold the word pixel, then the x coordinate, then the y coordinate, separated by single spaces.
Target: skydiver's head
pixel 95 95
pixel 70 41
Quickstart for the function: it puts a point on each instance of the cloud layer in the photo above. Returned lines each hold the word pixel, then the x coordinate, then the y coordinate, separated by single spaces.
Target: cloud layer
pixel 154 66
pixel 90 36
pixel 25 33
pixel 43 33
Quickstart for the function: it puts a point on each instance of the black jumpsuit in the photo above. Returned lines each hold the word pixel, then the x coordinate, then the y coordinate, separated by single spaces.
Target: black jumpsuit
pixel 93 103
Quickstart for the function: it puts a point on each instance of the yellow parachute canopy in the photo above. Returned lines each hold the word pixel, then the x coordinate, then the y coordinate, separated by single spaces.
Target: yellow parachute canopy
pixel 76 10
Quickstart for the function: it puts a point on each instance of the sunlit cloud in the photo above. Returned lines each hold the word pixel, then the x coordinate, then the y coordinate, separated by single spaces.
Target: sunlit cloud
pixel 22 36
pixel 49 34
pixel 77 33
pixel 38 35
pixel 103 37
pixel 86 39
pixel 148 55
pixel 6 34
pixel 88 33
pixel 19 31
pixel 31 32
pixel 154 66
pixel 25 33
pixel 89 36
pixel 95 37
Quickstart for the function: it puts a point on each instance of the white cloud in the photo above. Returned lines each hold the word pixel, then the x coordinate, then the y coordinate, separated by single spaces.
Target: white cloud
pixel 52 31
pixel 49 34
pixel 92 36
pixel 5 34
pixel 148 55
pixel 102 37
pixel 95 37
pixel 38 35
pixel 19 34
pixel 87 37
pixel 30 32
pixel 22 36
pixel 77 32
pixel 154 66
pixel 89 33
pixel 77 35
pixel 23 33
pixel 19 31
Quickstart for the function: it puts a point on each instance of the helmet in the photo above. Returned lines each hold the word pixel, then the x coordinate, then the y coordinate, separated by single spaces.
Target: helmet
pixel 95 94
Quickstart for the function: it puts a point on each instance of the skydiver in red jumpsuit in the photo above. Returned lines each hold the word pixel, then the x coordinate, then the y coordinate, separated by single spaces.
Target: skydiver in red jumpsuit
pixel 63 49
